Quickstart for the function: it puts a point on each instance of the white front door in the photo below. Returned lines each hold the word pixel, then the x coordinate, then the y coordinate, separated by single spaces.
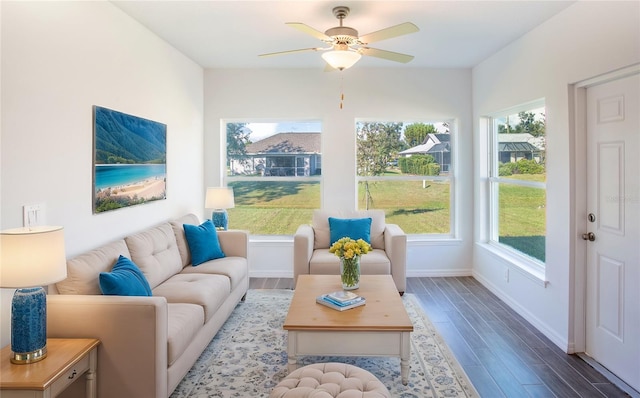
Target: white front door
pixel 613 236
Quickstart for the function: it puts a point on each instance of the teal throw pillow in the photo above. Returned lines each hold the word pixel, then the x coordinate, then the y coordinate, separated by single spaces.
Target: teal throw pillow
pixel 125 279
pixel 354 228
pixel 203 242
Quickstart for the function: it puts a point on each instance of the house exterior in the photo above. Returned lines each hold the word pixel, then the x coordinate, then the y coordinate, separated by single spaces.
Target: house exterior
pixel 281 155
pixel 513 147
pixel 436 145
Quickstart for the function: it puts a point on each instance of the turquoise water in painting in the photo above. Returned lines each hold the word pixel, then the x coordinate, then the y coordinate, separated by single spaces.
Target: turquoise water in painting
pixel 113 175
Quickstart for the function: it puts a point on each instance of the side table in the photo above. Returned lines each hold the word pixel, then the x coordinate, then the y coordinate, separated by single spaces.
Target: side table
pixel 66 361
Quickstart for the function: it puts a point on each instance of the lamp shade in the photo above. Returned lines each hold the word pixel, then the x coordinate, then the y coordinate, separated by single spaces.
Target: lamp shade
pixel 341 59
pixel 31 257
pixel 219 198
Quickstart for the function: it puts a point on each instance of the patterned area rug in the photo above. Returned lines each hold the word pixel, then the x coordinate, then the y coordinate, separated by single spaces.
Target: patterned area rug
pixel 248 356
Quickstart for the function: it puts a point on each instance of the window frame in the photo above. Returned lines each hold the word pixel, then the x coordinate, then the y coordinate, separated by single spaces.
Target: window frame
pixel 453 234
pixel 524 261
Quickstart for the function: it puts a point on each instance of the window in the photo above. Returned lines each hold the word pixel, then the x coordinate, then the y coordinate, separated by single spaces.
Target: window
pixel 274 170
pixel 406 169
pixel 517 179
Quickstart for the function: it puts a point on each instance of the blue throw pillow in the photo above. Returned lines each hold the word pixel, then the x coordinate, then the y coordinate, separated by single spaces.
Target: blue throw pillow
pixel 125 279
pixel 203 242
pixel 354 228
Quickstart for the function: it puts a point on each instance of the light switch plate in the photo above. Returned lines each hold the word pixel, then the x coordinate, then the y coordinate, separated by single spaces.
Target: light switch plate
pixel 33 215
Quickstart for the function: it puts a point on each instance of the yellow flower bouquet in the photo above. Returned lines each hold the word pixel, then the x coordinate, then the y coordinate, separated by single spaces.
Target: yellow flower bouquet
pixel 349 252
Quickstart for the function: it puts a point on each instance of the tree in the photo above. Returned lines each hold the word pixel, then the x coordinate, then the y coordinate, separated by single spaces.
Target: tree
pixel 505 128
pixel 376 144
pixel 529 124
pixel 414 134
pixel 237 140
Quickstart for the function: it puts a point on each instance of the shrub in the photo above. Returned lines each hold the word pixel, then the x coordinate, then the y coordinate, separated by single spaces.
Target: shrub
pixel 529 167
pixel 419 165
pixel 506 169
pixel 402 164
pixel 433 169
pixel 522 166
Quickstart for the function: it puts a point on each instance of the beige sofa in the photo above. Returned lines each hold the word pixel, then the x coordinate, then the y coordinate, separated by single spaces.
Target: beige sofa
pixel 148 344
pixel 389 242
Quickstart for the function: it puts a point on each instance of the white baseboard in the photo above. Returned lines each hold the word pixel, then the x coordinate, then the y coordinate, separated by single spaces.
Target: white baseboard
pixel 438 273
pixel 558 340
pixel 410 274
pixel 270 274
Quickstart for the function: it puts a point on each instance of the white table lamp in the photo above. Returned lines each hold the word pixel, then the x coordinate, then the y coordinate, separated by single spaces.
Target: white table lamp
pixel 30 258
pixel 219 199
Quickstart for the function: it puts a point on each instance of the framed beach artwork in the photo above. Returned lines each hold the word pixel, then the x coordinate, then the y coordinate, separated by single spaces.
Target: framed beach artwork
pixel 129 160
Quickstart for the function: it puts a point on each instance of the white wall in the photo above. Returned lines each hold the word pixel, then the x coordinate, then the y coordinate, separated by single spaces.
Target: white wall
pixel 58 60
pixel 585 40
pixel 375 94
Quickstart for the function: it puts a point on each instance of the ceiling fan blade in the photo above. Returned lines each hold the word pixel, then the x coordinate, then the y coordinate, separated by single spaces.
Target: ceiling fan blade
pixel 310 31
pixel 292 51
pixel 390 55
pixel 388 33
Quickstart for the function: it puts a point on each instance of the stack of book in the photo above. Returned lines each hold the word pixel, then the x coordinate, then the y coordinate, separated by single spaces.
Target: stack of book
pixel 341 300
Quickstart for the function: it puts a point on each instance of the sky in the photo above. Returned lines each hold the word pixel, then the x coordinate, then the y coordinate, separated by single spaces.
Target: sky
pixel 260 131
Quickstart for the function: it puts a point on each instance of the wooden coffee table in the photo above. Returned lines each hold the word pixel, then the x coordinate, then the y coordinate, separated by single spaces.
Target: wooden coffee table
pixel 381 327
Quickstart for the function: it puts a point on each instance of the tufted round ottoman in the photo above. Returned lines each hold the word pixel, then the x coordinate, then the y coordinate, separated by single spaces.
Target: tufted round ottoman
pixel 326 380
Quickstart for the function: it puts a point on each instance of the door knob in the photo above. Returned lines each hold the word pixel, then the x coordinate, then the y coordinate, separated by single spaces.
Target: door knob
pixel 590 236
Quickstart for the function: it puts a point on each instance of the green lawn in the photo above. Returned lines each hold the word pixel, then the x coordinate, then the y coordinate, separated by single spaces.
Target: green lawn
pixel 522 217
pixel 417 208
pixel 278 208
pixel 273 208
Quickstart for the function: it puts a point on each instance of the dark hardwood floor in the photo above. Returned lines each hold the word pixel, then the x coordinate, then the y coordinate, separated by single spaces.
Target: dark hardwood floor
pixel 502 353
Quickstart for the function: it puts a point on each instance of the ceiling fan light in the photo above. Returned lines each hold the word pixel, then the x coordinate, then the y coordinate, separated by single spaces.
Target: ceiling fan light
pixel 341 59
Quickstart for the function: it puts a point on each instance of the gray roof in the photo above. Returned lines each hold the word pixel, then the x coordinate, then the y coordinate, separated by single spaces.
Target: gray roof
pixel 520 142
pixel 432 143
pixel 422 148
pixel 442 147
pixel 516 147
pixel 440 136
pixel 286 143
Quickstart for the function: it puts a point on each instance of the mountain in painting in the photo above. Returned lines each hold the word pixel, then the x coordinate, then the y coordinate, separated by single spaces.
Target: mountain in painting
pixel 127 139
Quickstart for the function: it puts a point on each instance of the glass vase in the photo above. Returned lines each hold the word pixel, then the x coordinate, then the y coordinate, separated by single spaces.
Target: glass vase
pixel 350 272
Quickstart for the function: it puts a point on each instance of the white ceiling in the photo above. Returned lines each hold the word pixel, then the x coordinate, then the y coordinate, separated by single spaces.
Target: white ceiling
pixel 231 34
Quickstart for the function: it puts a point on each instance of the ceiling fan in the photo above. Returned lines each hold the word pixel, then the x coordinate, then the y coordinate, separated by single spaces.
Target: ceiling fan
pixel 345 44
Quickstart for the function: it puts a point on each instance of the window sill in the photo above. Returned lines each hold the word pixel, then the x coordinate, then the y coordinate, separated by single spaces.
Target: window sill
pixel 417 240
pixel 271 238
pixel 524 266
pixel 433 240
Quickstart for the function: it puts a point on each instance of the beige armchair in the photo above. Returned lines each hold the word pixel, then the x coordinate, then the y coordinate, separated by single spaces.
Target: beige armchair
pixel 389 242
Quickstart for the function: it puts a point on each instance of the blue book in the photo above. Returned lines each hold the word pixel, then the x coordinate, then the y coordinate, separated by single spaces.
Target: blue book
pixel 341 303
pixel 343 295
pixel 340 306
